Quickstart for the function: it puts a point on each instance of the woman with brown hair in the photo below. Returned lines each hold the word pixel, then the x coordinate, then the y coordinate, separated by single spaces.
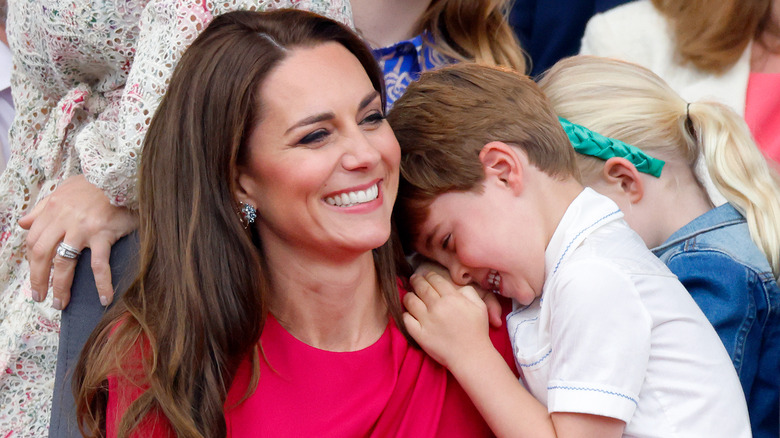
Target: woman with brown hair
pixel 267 302
pixel 87 77
pixel 728 50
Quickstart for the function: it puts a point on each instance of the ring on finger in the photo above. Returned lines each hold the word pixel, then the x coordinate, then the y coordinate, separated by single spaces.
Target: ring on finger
pixel 66 251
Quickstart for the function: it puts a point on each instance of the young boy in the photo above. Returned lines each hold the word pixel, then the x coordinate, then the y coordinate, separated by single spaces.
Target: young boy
pixel 607 341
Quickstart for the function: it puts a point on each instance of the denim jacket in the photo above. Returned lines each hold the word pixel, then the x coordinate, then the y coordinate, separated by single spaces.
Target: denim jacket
pixel 732 282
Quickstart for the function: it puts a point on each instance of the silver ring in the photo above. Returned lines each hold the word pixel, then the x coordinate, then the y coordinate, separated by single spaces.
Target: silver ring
pixel 66 251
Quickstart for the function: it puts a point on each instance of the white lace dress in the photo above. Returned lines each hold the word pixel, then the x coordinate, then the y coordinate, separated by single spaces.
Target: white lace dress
pixel 88 75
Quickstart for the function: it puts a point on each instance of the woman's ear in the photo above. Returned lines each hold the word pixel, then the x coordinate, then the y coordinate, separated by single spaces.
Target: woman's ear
pixel 504 163
pixel 244 186
pixel 622 175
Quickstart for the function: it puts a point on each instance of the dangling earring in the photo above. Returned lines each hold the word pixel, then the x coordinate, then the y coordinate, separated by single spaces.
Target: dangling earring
pixel 248 213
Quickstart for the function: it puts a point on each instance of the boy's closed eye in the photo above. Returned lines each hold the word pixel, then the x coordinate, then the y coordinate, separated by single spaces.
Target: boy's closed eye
pixel 446 241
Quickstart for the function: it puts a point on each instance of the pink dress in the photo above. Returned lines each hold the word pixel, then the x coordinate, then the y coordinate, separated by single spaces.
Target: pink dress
pixel 762 112
pixel 388 389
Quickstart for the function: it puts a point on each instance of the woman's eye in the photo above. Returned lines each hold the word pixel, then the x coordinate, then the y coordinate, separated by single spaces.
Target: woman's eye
pixel 373 118
pixel 314 137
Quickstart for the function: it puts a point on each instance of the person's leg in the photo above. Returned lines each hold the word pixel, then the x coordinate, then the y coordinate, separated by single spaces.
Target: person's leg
pixel 78 320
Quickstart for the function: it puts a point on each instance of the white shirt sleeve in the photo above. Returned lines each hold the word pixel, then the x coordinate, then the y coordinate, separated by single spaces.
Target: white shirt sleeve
pixel 600 331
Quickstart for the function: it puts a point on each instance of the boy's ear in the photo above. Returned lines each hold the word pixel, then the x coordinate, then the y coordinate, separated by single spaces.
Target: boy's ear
pixel 623 176
pixel 502 161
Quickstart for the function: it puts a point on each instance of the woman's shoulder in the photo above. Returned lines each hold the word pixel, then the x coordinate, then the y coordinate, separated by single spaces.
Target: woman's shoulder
pixel 638 11
pixel 633 31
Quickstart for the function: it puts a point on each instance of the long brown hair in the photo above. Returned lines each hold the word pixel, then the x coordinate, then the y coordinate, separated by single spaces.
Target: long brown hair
pixel 474 30
pixel 197 307
pixel 713 34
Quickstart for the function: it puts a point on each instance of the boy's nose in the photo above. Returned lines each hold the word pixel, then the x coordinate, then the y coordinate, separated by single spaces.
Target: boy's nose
pixel 460 275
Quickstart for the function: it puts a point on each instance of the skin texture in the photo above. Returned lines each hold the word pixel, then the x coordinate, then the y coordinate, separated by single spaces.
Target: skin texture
pixel 450 320
pixel 321 134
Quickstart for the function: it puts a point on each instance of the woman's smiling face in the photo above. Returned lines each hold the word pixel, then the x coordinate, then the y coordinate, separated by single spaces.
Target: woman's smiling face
pixel 322 167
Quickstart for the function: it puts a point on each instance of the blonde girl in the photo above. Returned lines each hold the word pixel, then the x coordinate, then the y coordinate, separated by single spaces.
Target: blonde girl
pixel 728 257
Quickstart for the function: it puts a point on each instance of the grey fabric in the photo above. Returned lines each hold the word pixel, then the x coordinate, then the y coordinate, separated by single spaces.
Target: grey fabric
pixel 78 320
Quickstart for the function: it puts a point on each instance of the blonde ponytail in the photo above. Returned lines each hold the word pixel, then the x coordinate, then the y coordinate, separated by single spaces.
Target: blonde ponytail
pixel 630 103
pixel 741 173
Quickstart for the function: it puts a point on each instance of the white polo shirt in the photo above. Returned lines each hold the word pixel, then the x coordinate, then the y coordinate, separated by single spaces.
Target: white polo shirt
pixel 615 334
pixel 6 104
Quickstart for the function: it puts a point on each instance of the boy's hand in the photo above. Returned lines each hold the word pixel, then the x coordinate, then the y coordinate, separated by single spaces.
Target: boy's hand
pixel 450 323
pixel 424 266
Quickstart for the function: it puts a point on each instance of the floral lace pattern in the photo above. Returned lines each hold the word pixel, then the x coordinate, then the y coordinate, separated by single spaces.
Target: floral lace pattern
pixel 87 77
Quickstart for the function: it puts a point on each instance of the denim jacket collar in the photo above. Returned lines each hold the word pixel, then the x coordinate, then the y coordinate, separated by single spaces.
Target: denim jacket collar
pixel 718 217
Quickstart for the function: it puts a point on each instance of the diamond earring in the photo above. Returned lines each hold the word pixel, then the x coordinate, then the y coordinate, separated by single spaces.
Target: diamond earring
pixel 249 213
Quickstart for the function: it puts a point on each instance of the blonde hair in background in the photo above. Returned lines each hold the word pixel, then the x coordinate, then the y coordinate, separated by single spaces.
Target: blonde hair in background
pixel 630 103
pixel 474 30
pixel 713 34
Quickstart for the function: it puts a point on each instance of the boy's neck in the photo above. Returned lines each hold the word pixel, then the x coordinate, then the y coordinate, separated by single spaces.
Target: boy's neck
pixel 554 199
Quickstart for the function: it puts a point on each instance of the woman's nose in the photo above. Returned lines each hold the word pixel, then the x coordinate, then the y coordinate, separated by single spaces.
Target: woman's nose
pixel 360 153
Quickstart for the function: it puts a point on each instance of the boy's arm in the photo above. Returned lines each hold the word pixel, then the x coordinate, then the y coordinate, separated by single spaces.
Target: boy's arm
pixel 451 325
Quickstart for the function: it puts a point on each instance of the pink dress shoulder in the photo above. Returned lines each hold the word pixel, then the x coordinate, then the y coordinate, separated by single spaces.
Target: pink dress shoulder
pixel 388 389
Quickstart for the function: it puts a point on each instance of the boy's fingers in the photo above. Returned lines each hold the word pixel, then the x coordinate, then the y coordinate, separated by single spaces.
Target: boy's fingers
pixel 431 266
pixel 472 295
pixel 441 284
pixel 423 289
pixel 412 326
pixel 414 305
pixel 494 310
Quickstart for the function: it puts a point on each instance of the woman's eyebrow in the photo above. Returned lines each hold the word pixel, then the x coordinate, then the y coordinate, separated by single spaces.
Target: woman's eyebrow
pixel 312 120
pixel 368 99
pixel 329 115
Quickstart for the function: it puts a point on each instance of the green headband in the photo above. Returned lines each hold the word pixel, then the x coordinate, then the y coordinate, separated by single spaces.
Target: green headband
pixel 587 142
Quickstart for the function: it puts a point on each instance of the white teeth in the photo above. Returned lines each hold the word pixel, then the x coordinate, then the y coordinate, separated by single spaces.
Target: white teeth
pixel 353 198
pixel 494 280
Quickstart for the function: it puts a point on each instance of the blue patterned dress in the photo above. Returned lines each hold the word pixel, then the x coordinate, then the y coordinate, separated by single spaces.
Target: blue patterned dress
pixel 403 62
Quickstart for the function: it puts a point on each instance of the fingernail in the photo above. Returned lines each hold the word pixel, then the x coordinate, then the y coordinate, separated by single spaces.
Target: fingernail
pixel 57 304
pixel 104 300
pixel 36 296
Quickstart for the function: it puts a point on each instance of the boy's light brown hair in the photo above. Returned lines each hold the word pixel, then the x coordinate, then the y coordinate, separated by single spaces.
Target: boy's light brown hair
pixel 443 121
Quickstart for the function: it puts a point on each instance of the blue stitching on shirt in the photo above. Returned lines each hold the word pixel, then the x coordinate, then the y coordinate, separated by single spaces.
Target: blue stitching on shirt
pixel 517 327
pixel 557 265
pixel 595 390
pixel 537 362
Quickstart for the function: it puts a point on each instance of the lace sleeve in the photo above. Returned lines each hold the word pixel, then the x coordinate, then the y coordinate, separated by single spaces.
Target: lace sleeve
pixel 110 146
